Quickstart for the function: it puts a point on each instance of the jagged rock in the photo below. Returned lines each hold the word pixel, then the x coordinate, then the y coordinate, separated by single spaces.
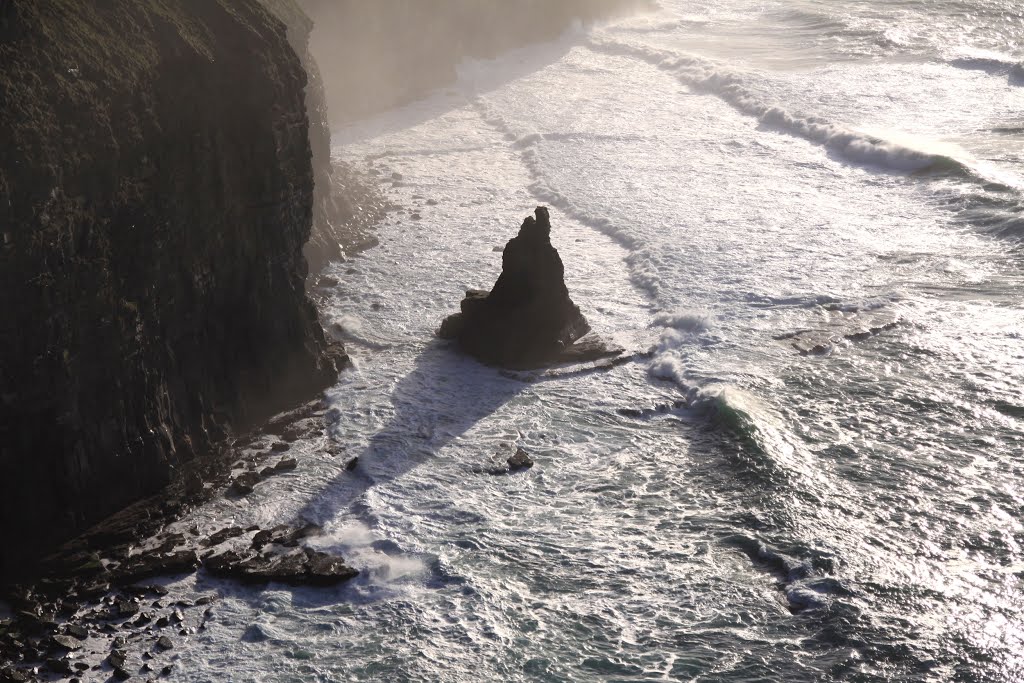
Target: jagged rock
pixel 78 631
pixel 66 643
pixel 141 567
pixel 527 320
pixel 245 483
pixel 304 567
pixel 520 461
pixel 164 643
pixel 224 534
pixel 286 464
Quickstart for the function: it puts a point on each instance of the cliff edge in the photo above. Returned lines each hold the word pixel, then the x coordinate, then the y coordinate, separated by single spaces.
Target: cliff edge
pixel 156 192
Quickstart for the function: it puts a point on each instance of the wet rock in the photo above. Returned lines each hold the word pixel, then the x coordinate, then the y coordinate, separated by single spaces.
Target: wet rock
pixel 66 643
pixel 286 465
pixel 245 483
pixel 296 567
pixel 327 570
pixel 431 202
pixel 397 176
pixel 118 661
pixel 142 620
pixel 279 447
pixel 527 320
pixel 416 217
pixel 12 675
pixel 224 534
pixel 519 461
pixel 164 643
pixel 126 608
pixel 60 666
pixel 141 567
pixel 352 463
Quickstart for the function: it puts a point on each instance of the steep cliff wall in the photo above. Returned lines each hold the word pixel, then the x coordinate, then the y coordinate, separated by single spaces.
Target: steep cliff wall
pixel 344 206
pixel 378 54
pixel 156 191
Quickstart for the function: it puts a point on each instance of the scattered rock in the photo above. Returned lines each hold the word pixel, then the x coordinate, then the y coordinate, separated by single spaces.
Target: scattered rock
pixel 352 463
pixel 416 217
pixel 520 461
pixel 164 643
pixel 431 202
pixel 12 675
pixel 78 631
pixel 126 608
pixel 66 642
pixel 60 666
pixel 397 176
pixel 117 659
pixel 279 447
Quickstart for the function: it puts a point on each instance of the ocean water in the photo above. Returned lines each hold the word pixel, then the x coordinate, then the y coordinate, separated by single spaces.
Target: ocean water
pixel 810 213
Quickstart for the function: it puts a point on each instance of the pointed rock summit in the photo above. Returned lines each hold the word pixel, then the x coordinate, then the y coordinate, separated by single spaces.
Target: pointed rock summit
pixel 527 320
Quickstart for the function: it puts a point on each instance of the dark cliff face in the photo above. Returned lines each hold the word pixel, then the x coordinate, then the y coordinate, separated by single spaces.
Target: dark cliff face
pixel 156 191
pixel 381 53
pixel 344 206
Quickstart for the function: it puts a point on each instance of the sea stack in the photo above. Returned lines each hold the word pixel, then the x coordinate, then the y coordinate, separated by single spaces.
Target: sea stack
pixel 527 320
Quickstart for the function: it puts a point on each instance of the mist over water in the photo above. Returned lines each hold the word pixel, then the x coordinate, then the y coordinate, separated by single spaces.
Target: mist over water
pixel 810 212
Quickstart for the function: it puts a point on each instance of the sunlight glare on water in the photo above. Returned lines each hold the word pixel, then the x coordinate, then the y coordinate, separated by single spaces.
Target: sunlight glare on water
pixel 809 213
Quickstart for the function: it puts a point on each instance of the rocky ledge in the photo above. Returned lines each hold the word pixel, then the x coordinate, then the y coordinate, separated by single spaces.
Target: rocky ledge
pixel 527 320
pixel 110 603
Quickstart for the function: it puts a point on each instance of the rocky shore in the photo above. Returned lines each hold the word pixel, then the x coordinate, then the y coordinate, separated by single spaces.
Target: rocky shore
pixel 106 604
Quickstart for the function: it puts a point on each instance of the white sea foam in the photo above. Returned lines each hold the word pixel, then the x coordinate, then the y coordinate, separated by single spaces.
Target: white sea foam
pixel 704 75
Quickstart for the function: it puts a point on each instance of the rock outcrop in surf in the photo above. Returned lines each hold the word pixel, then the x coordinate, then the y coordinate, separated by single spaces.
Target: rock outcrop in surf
pixel 528 319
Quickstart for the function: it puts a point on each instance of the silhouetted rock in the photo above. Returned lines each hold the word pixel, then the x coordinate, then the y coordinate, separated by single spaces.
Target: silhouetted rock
pixel 520 461
pixel 527 320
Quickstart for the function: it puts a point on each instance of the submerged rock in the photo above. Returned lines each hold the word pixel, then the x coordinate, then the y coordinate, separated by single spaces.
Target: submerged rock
pixel 527 320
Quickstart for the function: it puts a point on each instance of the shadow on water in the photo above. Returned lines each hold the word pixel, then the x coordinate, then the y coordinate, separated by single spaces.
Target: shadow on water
pixel 444 396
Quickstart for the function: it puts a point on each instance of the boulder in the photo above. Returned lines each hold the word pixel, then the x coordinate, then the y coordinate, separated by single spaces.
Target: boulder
pixel 520 461
pixel 527 320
